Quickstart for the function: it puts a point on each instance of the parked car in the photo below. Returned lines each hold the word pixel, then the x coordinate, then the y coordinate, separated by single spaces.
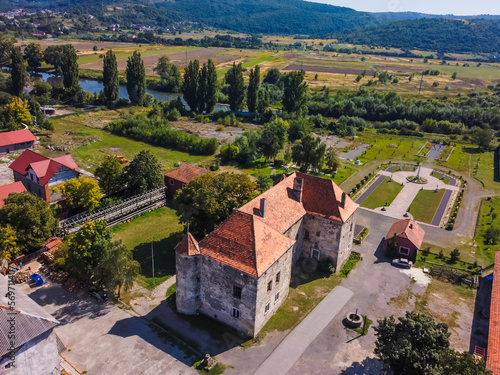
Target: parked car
pixel 405 263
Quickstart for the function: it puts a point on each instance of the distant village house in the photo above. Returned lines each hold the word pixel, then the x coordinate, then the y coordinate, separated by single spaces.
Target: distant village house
pixel 178 178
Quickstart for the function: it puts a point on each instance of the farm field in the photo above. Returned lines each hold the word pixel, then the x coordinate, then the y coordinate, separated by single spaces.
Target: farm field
pixel 424 206
pixel 383 195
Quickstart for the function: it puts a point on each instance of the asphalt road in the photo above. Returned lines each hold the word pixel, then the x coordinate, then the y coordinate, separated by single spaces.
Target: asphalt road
pixel 370 190
pixel 441 208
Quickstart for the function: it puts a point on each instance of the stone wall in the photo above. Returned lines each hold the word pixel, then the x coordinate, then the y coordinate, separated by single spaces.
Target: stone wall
pixel 296 233
pixel 345 242
pixel 284 266
pixel 187 295
pixel 216 295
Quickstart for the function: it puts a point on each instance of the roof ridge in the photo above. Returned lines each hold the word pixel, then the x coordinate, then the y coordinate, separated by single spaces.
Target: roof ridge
pixel 31 315
pixel 254 247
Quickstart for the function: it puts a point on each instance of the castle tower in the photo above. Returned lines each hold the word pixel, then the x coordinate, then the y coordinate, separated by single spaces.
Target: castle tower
pixel 187 264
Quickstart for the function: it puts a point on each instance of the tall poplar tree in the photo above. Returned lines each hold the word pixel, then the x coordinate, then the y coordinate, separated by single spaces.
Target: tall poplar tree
pixel 190 84
pixel 253 89
pixel 18 73
pixel 33 55
pixel 211 91
pixel 110 77
pixel 236 92
pixel 69 66
pixel 202 88
pixel 294 95
pixel 136 79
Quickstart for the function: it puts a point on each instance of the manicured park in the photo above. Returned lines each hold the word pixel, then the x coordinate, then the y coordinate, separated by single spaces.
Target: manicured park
pixel 383 195
pixel 425 205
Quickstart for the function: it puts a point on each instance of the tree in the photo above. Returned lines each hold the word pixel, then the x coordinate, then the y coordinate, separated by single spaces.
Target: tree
pixel 53 56
pixel 331 158
pixel 108 175
pixel 69 66
pixel 309 153
pixel 412 346
pixel 229 152
pixel 294 96
pixel 143 173
pixel 454 256
pixel 171 79
pixel 31 218
pixel 6 46
pixel 8 243
pixel 202 88
pixel 33 55
pixel 273 77
pixel 491 236
pixel 190 84
pixel 136 79
pixel 392 246
pixel 253 89
pixel 86 249
pixel 236 90
pixel 110 77
pixel 81 192
pixel 209 199
pixel 454 75
pixel 117 267
pixel 19 110
pixel 263 100
pixel 273 137
pixel 210 98
pixel 482 138
pixel 453 363
pixel 18 74
pixel 264 182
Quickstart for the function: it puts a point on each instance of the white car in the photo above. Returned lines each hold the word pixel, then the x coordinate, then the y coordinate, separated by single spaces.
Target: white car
pixel 405 263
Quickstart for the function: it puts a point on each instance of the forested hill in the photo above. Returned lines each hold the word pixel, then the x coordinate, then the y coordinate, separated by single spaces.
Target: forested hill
pixel 271 16
pixel 447 35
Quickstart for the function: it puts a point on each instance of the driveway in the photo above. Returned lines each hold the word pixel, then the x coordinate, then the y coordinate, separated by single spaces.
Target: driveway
pixel 103 339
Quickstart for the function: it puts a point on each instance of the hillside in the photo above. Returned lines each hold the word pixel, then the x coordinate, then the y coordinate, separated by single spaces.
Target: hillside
pixel 447 35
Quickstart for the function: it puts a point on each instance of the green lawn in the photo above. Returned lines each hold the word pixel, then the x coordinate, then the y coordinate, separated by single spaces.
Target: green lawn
pixel 488 218
pixel 161 228
pixel 446 153
pixel 427 147
pixel 89 144
pixel 433 258
pixel 424 206
pixel 383 195
pixel 446 180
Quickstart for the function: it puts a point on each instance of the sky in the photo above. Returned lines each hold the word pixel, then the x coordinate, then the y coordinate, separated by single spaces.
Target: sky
pixel 457 7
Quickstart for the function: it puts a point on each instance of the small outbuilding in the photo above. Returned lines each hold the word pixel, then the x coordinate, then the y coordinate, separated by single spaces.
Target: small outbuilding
pixel 178 178
pixel 16 140
pixel 404 239
pixel 6 190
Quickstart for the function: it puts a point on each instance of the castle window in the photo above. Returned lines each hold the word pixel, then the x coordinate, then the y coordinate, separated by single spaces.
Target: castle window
pixel 268 306
pixel 306 235
pixel 171 181
pixel 318 234
pixel 237 291
pixel 270 286
pixel 277 297
pixel 236 313
pixel 278 275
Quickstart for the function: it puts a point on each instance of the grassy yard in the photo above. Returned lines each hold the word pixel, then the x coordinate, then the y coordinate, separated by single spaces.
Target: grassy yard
pixel 432 257
pixel 383 195
pixel 424 206
pixel 446 180
pixel 488 218
pixel 83 135
pixel 427 147
pixel 159 227
pixel 446 153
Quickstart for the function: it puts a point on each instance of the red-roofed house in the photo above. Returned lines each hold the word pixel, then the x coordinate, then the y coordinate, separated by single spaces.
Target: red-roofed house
pixel 493 350
pixel 6 190
pixel 16 140
pixel 178 178
pixel 240 273
pixel 409 236
pixel 38 173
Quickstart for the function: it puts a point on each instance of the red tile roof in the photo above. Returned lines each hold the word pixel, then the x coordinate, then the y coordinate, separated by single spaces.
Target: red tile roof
pixel 408 229
pixel 245 243
pixel 493 350
pixel 6 190
pixel 188 245
pixel 321 197
pixel 16 136
pixel 43 167
pixel 51 244
pixel 185 173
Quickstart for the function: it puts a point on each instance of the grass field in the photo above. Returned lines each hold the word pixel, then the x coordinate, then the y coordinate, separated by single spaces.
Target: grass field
pixel 383 195
pixel 424 206
pixel 446 180
pixel 161 228
pixel 89 144
pixel 424 151
pixel 489 217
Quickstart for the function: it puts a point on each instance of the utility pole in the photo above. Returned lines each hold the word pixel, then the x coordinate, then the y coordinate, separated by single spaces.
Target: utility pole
pixel 421 82
pixel 153 262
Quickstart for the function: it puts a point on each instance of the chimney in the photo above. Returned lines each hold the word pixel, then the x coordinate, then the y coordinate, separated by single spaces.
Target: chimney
pixel 298 187
pixel 344 196
pixel 263 204
pixel 411 226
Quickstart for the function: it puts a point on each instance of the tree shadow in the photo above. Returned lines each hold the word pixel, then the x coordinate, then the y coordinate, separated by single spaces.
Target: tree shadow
pixel 480 320
pixel 472 150
pixel 368 366
pixel 496 165
pixel 164 256
pixel 380 254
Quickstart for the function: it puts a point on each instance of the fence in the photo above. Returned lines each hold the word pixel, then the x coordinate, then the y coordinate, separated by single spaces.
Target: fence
pixel 119 213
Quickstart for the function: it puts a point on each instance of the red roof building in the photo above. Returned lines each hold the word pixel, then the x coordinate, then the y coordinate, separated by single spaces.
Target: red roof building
pixel 409 236
pixel 178 178
pixel 38 173
pixel 493 350
pixel 16 140
pixel 6 190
